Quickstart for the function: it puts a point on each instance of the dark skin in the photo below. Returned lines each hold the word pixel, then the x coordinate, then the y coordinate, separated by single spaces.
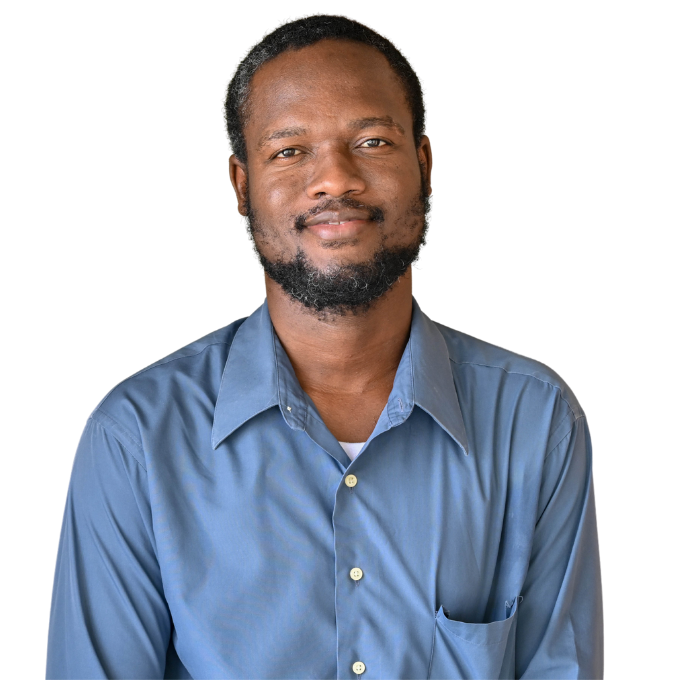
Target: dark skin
pixel 325 122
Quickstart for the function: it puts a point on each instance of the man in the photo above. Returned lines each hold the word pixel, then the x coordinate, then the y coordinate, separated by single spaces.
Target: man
pixel 335 486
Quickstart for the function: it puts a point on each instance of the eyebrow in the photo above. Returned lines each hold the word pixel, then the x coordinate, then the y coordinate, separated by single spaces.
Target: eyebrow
pixel 356 125
pixel 376 121
pixel 281 134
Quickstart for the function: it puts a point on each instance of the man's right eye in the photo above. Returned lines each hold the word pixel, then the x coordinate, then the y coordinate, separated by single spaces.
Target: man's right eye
pixel 287 153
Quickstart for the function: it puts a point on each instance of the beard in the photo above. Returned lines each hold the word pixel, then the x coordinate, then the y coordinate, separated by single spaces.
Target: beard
pixel 342 288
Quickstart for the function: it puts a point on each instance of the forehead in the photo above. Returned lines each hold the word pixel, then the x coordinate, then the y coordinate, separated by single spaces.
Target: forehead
pixel 330 80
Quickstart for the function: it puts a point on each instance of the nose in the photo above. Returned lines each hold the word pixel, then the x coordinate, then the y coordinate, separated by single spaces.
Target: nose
pixel 335 174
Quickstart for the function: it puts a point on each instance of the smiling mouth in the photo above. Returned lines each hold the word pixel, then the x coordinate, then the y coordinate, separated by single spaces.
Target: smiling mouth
pixel 338 231
pixel 338 218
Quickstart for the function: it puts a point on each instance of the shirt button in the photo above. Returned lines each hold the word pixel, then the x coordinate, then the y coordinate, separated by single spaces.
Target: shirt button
pixel 356 573
pixel 351 481
pixel 358 667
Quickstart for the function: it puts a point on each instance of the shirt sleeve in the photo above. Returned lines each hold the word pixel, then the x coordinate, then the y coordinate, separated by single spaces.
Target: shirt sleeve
pixel 109 617
pixel 560 621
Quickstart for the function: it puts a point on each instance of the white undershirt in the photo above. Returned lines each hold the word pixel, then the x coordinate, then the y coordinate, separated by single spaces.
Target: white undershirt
pixel 352 448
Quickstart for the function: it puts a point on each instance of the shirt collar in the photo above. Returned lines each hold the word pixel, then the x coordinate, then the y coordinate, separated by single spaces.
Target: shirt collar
pixel 433 386
pixel 258 375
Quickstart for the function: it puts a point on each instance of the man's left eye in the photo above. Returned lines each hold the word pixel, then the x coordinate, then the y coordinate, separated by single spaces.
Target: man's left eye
pixel 370 143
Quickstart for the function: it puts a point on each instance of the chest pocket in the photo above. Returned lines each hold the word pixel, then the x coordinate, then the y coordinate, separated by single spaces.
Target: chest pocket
pixel 474 650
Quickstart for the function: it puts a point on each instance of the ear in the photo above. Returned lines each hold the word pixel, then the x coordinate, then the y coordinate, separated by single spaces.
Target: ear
pixel 238 174
pixel 425 160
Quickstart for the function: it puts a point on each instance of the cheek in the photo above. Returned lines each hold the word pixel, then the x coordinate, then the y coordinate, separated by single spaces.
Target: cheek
pixel 267 197
pixel 278 193
pixel 398 190
pixel 272 199
pixel 395 180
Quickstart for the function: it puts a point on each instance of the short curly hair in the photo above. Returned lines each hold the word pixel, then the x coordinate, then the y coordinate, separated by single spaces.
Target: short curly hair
pixel 295 35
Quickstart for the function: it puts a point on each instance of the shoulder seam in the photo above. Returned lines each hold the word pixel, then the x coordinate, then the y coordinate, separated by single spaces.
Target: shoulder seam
pixel 169 361
pixel 98 416
pixel 527 375
pixel 156 365
pixel 568 434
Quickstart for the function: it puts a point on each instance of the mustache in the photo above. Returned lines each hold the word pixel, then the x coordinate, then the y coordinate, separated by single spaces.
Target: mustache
pixel 375 214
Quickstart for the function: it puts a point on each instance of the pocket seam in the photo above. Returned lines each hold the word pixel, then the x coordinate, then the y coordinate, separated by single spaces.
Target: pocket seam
pixel 471 642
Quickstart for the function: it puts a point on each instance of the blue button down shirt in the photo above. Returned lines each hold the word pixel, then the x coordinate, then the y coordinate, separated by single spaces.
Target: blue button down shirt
pixel 209 531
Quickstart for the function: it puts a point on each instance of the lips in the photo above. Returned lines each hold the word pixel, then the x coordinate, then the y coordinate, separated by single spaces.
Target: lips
pixel 336 218
pixel 343 225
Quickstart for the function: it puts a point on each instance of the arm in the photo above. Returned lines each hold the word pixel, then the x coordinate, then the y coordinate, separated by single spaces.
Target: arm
pixel 109 617
pixel 559 627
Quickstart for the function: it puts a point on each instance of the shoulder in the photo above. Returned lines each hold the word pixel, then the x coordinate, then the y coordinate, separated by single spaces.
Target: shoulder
pixel 184 379
pixel 505 366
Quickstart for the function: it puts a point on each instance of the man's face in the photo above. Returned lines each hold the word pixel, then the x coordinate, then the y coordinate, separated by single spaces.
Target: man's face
pixel 334 188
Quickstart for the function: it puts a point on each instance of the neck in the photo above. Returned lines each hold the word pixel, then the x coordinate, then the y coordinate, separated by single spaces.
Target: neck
pixel 350 357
